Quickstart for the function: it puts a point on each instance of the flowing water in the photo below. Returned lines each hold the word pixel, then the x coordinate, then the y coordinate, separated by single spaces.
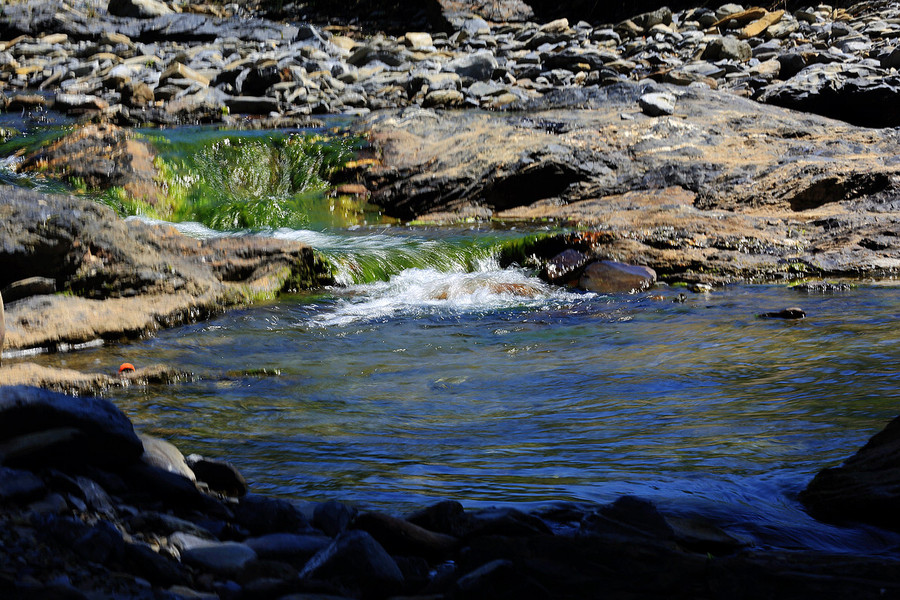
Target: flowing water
pixel 430 373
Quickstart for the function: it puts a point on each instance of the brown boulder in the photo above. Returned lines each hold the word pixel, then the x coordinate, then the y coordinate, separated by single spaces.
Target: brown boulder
pixel 610 277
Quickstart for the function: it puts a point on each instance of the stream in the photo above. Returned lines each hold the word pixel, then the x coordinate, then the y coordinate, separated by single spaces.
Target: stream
pixel 430 373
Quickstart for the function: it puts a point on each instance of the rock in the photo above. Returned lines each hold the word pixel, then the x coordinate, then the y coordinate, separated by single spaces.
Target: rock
pixel 479 66
pixel 142 9
pixel 252 105
pixel 631 515
pixel 841 91
pixel 448 517
pixel 100 157
pixel 418 40
pixel 865 488
pixel 609 277
pixel 504 521
pixel 97 432
pixel 728 48
pixel 356 561
pixel 223 558
pixel 333 517
pixel 292 548
pixel 262 515
pixel 400 537
pixel 33 286
pixel 786 313
pixel 443 98
pixel 220 476
pixel 20 486
pixel 564 267
pixel 164 455
pixel 498 579
pixel 2 328
pixel 761 24
pixel 657 104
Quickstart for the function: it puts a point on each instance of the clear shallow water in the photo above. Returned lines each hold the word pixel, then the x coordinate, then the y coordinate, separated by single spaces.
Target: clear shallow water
pixel 490 387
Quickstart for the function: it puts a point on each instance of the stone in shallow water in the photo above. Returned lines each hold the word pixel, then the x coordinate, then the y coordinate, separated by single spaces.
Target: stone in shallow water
pixel 607 277
pixel 865 488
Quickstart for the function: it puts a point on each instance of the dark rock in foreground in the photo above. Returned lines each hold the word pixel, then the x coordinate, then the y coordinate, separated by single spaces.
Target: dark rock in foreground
pixel 865 488
pixel 129 278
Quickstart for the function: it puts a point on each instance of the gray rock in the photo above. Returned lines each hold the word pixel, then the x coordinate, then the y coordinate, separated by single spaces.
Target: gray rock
pixel 223 558
pixel 164 455
pixel 291 548
pixel 656 104
pixel 105 436
pixel 356 560
pixel 478 66
pixel 2 328
pixel 402 538
pixel 607 276
pixel 728 48
pixel 141 9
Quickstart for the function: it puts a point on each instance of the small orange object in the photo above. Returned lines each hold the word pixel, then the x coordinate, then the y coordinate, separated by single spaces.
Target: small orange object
pixel 126 367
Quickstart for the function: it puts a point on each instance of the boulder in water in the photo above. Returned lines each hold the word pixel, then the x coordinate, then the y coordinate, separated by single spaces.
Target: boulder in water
pixel 865 488
pixel 609 277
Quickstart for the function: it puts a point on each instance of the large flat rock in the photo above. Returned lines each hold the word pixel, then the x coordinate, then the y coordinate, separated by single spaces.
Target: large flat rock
pixel 724 184
pixel 123 279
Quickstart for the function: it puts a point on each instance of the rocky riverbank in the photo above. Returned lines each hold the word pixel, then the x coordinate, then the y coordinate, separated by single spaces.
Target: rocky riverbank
pixel 92 509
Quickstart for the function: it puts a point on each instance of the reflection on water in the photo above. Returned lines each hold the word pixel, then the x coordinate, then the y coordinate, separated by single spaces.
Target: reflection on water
pixel 490 387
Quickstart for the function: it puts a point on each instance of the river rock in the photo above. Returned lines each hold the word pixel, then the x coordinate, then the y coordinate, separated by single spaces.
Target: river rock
pixel 164 455
pixel 478 66
pixel 292 548
pixel 261 515
pixel 400 537
pixel 728 48
pixel 609 277
pixel 865 488
pixel 218 475
pixel 333 517
pixel 92 430
pixel 356 561
pixel 224 558
pixel 19 486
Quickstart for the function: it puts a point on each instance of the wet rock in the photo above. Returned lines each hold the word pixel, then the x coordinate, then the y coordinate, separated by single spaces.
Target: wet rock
pixel 504 521
pixel 218 475
pixel 792 313
pixel 100 157
pixel 565 266
pixel 609 277
pixel 865 488
pixel 448 517
pixel 356 562
pixel 93 430
pixel 164 455
pixel 498 579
